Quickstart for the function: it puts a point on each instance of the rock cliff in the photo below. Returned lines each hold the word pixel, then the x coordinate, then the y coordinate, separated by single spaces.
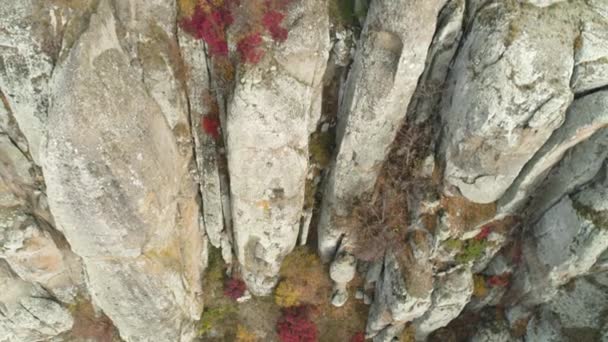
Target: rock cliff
pixel 439 166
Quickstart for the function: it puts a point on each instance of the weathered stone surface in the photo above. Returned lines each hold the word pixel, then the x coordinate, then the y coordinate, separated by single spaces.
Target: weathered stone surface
pixel 201 104
pixel 343 267
pixel 493 332
pixel 393 305
pixel 576 312
pixel 119 188
pixel 567 241
pixel 544 327
pixel 591 55
pixel 270 117
pixel 585 117
pixel 383 78
pixel 578 166
pixel 508 91
pixel 25 67
pixel 28 313
pixel 34 257
pixel 452 292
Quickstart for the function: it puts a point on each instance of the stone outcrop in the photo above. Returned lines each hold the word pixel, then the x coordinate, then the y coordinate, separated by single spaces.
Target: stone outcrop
pixel 275 107
pixel 375 98
pixel 127 147
pixel 120 188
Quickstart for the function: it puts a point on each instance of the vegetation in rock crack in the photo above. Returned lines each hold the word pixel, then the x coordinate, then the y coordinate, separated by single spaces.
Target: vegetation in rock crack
pixel 222 23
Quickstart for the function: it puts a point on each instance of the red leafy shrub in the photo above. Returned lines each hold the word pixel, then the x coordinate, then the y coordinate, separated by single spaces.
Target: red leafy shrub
pixel 209 23
pixel 296 326
pixel 358 337
pixel 272 22
pixel 210 20
pixel 249 48
pixel 234 288
pixel 484 233
pixel 211 126
pixel 501 280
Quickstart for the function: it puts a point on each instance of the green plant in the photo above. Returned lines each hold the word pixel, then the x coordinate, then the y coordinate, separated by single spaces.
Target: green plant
pixel 473 249
pixel 215 316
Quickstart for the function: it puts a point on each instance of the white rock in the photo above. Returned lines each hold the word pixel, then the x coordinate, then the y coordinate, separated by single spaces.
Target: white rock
pixel 450 296
pixel 268 127
pixel 508 90
pixel 135 223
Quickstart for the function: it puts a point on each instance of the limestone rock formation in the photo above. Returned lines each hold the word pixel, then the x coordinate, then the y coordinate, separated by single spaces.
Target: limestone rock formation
pixel 446 159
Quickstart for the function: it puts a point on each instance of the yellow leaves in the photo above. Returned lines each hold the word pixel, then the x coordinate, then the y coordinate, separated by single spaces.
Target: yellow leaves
pixel 287 295
pixel 186 7
pixel 480 289
pixel 244 335
pixel 304 279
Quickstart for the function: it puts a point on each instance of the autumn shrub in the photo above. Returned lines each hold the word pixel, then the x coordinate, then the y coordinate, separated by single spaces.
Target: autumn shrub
pixel 234 288
pixel 358 337
pixel 215 317
pixel 244 335
pixel 499 280
pixel 304 279
pixel 213 21
pixel 295 325
pixel 211 126
pixel 286 294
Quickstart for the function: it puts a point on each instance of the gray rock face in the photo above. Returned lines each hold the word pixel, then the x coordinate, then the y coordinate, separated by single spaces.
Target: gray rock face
pixel 584 118
pixel 568 240
pixel 508 91
pixel 274 109
pixel 591 56
pixel 28 312
pixel 120 190
pixel 576 312
pixel 395 41
pixel 450 296
pixel 110 190
pixel 25 68
pixel 393 304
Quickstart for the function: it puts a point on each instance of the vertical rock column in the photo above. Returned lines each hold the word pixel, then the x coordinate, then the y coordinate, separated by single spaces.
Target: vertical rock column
pixel 384 75
pixel 275 107
pixel 118 182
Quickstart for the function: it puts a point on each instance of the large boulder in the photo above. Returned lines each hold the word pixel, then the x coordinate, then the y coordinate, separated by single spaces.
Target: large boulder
pixel 120 190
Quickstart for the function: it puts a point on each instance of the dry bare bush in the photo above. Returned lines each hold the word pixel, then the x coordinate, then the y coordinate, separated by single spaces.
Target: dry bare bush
pixel 379 221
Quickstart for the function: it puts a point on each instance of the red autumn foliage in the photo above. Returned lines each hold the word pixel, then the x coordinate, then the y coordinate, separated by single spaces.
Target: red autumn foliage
pixel 211 126
pixel 484 233
pixel 296 326
pixel 358 337
pixel 212 18
pixel 209 23
pixel 234 288
pixel 501 280
pixel 272 22
pixel 249 48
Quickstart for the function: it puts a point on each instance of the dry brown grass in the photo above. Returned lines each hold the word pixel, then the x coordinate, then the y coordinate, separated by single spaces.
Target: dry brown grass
pixel 379 221
pixel 465 215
